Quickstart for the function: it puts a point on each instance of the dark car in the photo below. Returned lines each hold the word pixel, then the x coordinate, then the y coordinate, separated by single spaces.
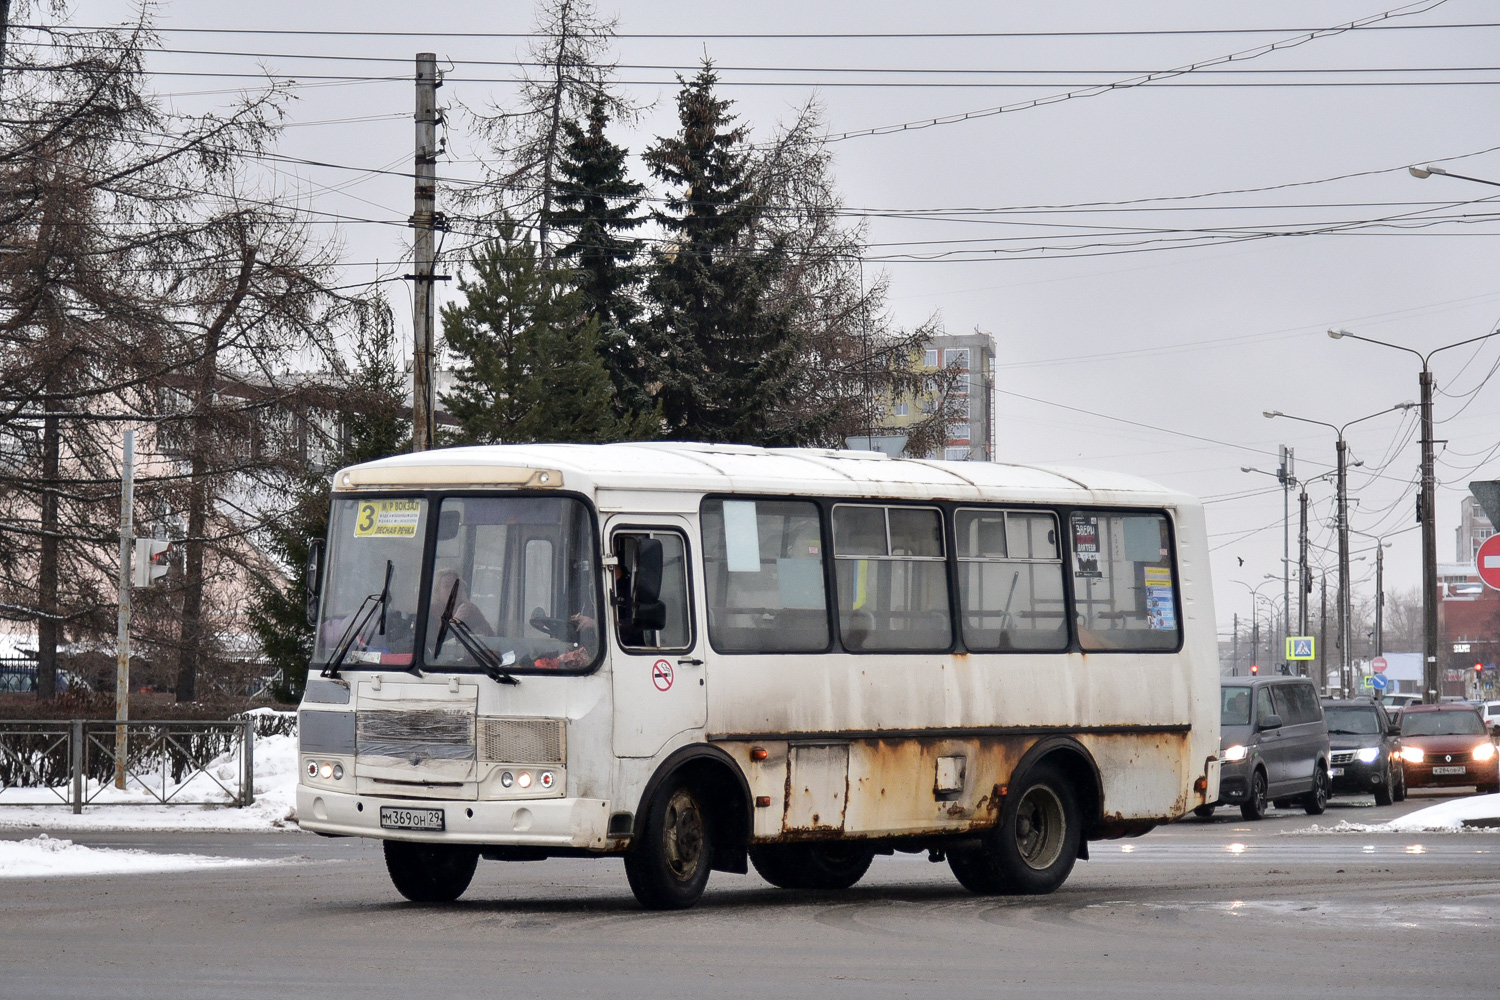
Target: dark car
pixel 1364 750
pixel 1273 747
pixel 1448 744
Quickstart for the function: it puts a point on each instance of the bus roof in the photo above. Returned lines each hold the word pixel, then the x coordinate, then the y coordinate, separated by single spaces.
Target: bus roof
pixel 725 468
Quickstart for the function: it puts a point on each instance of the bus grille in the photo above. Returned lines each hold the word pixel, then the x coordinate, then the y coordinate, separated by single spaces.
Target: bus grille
pixel 416 735
pixel 521 741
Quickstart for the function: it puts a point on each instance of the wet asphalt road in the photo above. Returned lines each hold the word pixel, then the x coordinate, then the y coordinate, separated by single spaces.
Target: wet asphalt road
pixel 1216 909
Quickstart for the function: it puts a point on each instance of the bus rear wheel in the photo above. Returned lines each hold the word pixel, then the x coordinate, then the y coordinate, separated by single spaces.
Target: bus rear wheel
pixel 430 873
pixel 1032 850
pixel 669 868
pixel 812 866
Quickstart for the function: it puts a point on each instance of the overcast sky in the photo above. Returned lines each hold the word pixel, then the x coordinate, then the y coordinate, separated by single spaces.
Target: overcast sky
pixel 1099 307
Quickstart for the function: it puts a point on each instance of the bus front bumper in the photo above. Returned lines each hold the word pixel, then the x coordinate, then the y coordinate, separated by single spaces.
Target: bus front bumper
pixel 563 823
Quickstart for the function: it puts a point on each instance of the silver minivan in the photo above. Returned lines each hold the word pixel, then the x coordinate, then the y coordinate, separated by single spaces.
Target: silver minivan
pixel 1273 747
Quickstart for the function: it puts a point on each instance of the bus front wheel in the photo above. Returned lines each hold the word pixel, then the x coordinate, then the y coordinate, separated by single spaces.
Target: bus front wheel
pixel 812 866
pixel 1032 850
pixel 430 873
pixel 669 868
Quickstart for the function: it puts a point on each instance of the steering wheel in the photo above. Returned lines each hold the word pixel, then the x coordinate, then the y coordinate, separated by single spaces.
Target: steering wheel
pixel 557 628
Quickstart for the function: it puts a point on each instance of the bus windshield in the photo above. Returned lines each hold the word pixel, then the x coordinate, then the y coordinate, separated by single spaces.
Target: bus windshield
pixel 365 538
pixel 514 586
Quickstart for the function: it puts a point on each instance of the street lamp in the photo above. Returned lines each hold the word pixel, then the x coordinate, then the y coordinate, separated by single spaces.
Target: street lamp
pixel 1284 476
pixel 1343 521
pixel 1255 598
pixel 1428 496
pixel 1422 173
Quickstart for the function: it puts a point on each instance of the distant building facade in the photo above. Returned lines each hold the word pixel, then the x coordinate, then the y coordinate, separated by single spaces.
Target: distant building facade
pixel 970 433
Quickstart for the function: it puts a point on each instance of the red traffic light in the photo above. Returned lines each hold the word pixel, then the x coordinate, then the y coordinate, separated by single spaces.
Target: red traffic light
pixel 1479 668
pixel 1254 669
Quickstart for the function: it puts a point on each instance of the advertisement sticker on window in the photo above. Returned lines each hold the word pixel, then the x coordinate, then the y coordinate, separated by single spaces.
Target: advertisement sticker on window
pixel 387 519
pixel 1161 610
pixel 1086 547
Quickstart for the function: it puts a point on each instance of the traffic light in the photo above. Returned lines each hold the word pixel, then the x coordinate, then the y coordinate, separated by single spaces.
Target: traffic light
pixel 1479 668
pixel 152 557
pixel 1254 669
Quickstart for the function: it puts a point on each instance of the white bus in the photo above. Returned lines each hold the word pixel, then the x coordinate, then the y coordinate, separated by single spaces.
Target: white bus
pixel 702 657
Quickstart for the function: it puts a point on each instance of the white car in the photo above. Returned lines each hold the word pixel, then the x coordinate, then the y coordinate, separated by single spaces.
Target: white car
pixel 1396 702
pixel 1491 712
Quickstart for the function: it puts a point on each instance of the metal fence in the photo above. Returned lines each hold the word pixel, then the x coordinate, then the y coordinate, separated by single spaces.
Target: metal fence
pixel 170 761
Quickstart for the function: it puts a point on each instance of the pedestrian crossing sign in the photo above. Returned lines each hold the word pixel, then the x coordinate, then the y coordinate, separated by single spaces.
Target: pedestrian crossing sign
pixel 1299 647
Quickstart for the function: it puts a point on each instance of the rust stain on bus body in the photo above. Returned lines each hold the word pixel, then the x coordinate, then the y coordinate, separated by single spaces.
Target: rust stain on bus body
pixel 889 788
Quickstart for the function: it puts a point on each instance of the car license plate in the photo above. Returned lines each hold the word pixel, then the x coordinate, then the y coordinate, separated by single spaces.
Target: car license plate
pixel 1337 772
pixel 1450 770
pixel 398 818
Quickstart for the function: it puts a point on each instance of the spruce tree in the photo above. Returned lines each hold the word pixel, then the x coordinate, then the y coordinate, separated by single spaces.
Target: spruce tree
pixel 529 367
pixel 594 204
pixel 720 352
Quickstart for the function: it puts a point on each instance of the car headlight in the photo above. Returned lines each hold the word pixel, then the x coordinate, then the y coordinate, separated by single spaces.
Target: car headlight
pixel 1236 752
pixel 1412 755
pixel 1484 751
pixel 1367 755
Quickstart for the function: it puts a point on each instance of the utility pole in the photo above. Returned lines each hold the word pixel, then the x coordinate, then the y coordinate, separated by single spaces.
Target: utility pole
pixel 1323 634
pixel 122 634
pixel 1427 514
pixel 1304 575
pixel 1236 644
pixel 1287 481
pixel 4 30
pixel 426 221
pixel 1379 597
pixel 1343 525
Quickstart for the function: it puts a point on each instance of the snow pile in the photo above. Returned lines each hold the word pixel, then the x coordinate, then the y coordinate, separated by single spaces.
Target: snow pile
pixel 135 809
pixel 43 856
pixel 1470 812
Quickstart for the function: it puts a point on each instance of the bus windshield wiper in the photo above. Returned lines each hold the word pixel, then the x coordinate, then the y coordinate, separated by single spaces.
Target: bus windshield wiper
pixel 491 664
pixel 359 620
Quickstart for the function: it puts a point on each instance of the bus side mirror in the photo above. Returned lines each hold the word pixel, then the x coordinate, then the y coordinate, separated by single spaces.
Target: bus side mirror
pixel 313 578
pixel 647 612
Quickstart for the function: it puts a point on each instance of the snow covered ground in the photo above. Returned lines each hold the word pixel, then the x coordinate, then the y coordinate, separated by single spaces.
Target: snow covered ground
pixel 43 855
pixel 1445 817
pixel 134 809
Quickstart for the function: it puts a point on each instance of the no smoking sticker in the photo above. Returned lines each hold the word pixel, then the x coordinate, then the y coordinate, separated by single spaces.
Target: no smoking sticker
pixel 661 675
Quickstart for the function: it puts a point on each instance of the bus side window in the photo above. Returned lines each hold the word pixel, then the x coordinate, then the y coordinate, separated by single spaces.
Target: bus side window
pixel 1124 592
pixel 678 633
pixel 892 578
pixel 1010 582
pixel 763 560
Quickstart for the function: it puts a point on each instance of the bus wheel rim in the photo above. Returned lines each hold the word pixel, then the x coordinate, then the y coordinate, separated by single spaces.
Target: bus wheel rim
pixel 1039 828
pixel 683 840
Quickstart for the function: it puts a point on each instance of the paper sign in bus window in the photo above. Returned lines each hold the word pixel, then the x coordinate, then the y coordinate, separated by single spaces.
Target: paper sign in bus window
pixel 741 536
pixel 1142 539
pixel 387 519
pixel 1086 547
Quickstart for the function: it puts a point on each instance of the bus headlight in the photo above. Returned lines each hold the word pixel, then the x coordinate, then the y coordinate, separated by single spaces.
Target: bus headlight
pixel 1484 751
pixel 1412 755
pixel 1236 752
pixel 1367 755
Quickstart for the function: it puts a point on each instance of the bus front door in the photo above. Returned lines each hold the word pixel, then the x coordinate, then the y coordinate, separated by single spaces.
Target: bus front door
pixel 659 678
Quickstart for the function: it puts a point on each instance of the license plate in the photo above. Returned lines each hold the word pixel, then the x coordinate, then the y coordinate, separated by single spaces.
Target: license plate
pixel 397 818
pixel 1450 770
pixel 1337 772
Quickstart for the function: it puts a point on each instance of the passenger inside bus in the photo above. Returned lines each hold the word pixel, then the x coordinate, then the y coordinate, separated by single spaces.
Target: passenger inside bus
pixel 444 584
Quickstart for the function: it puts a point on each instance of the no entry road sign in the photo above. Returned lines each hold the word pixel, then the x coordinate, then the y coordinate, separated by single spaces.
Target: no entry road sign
pixel 1487 560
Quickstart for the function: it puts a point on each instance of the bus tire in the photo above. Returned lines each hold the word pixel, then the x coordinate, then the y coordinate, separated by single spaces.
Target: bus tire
pixel 1032 849
pixel 430 873
pixel 812 866
pixel 669 868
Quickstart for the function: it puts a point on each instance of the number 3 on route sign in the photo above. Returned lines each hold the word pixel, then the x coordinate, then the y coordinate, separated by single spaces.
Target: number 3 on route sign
pixel 1299 647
